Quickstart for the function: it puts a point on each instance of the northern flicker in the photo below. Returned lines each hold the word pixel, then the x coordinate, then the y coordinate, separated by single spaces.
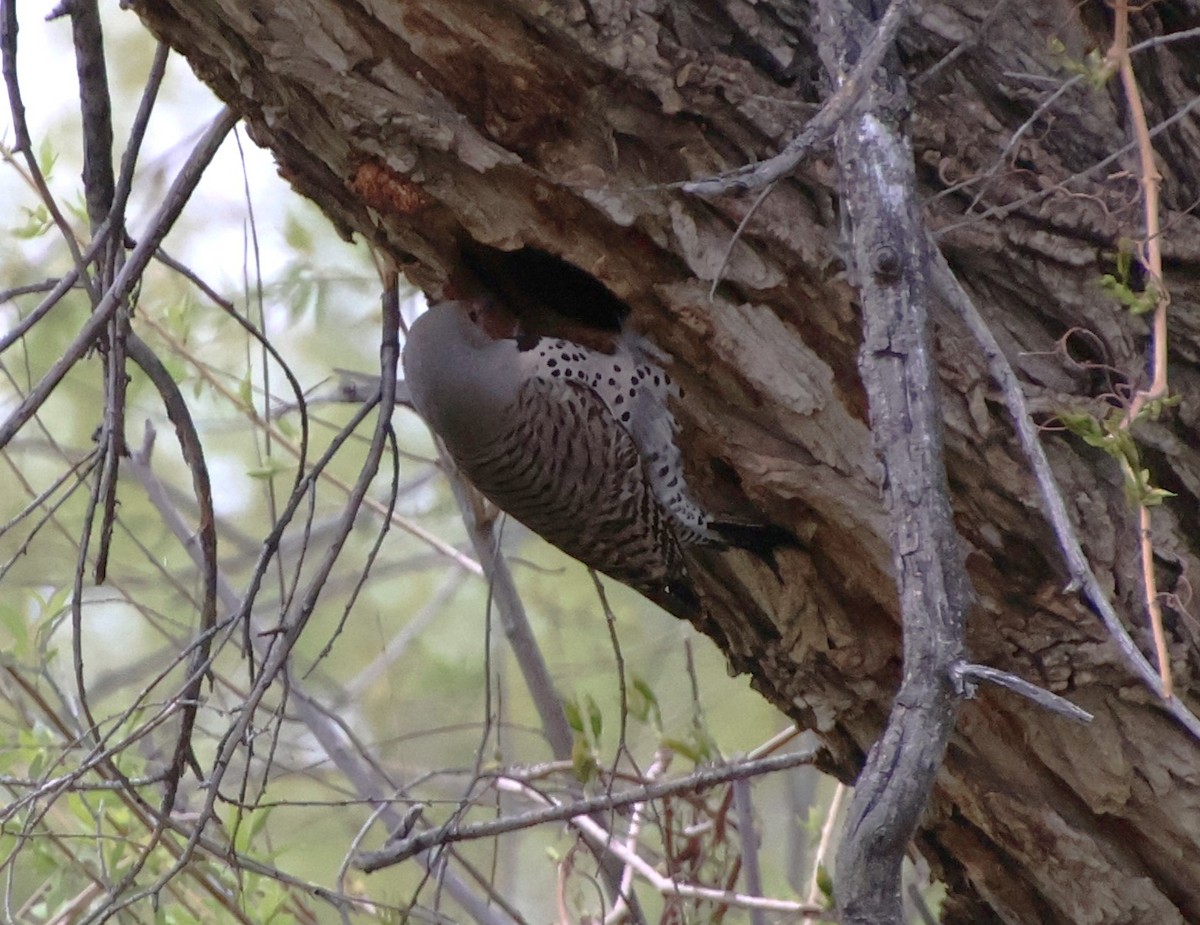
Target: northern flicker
pixel 575 440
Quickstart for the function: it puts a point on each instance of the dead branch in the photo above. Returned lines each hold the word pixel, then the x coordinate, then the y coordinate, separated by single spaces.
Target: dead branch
pixel 897 367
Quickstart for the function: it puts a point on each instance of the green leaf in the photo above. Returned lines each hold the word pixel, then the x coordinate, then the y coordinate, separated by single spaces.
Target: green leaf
pixel 685 748
pixel 1086 427
pixel 1095 67
pixel 270 903
pixel 1138 303
pixel 37 223
pixel 574 716
pixel 297 235
pixel 824 882
pixel 595 717
pixel 643 704
pixel 47 157
pixel 1153 497
pixel 12 619
pixel 1153 409
pixel 246 392
pixel 583 761
pixel 58 601
pixel 270 468
pixel 251 824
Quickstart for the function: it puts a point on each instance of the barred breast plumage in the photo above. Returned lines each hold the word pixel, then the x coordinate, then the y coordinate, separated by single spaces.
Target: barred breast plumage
pixel 575 442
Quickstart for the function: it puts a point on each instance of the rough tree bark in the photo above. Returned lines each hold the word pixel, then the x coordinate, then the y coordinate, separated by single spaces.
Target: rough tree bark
pixel 423 124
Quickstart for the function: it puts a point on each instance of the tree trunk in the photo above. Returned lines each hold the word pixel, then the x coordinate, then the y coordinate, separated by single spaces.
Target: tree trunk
pixel 431 124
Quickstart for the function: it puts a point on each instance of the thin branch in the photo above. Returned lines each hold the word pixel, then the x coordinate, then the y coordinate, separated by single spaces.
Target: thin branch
pixel 825 847
pixel 513 618
pixel 282 643
pixel 366 776
pixel 126 789
pixel 637 815
pixel 700 780
pixel 292 628
pixel 300 451
pixel 965 675
pixel 977 35
pixel 896 363
pixel 1060 89
pixel 176 198
pixel 67 282
pixel 79 471
pixel 137 134
pixel 95 109
pixel 1053 506
pixel 1007 208
pixel 744 807
pixel 406 524
pixel 9 28
pixel 7 295
pixel 395 647
pixel 522 642
pixel 980 179
pixel 671 887
pixel 821 127
pixel 369 781
pixel 192 449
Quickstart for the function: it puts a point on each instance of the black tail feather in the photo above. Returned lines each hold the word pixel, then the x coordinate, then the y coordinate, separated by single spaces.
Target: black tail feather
pixel 760 539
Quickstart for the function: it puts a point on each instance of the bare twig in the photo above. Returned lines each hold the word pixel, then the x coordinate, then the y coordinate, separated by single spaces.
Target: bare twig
pixel 408 525
pixel 95 108
pixel 1060 88
pixel 176 198
pixel 822 126
pixel 966 675
pixel 1082 576
pixel 9 27
pixel 980 179
pixel 637 815
pixel 1007 208
pixel 513 618
pixel 367 778
pixel 977 35
pixel 78 472
pixel 283 642
pixel 700 780
pixel 750 868
pixel 193 454
pixel 7 295
pixel 137 134
pixel 669 886
pixel 610 621
pixel 898 372
pixel 395 647
pixel 824 847
pixel 67 282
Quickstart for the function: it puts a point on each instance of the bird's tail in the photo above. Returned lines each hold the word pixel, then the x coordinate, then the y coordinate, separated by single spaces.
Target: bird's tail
pixel 761 539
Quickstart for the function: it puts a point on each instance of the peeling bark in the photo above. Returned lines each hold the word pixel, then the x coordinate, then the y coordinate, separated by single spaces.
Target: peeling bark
pixel 553 125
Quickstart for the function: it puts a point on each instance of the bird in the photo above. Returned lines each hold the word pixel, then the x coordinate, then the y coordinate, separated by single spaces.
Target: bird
pixel 572 434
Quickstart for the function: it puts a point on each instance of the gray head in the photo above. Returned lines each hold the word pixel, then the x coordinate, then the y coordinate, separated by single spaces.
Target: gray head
pixel 462 370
